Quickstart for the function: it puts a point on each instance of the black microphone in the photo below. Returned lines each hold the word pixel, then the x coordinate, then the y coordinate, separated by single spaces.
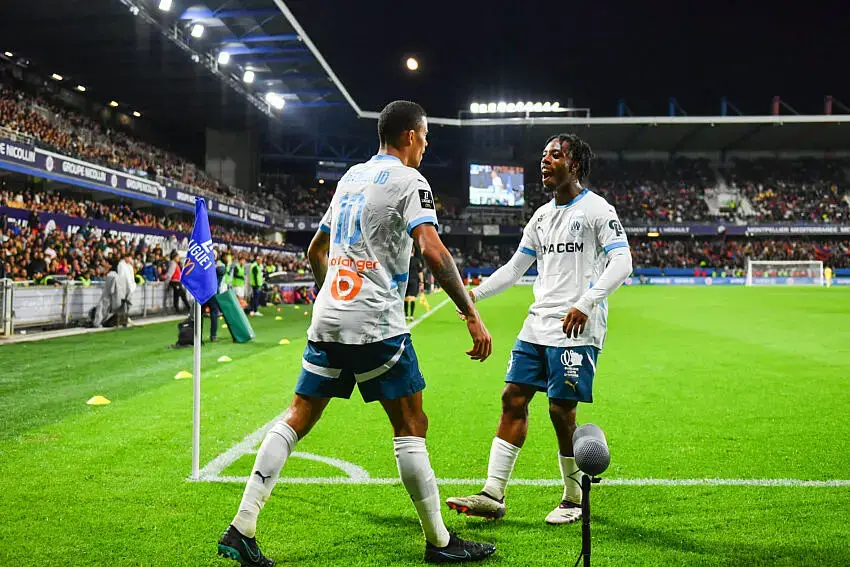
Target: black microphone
pixel 591 450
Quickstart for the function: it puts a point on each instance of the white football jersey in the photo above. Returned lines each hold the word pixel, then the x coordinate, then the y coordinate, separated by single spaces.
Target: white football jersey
pixel 376 206
pixel 570 243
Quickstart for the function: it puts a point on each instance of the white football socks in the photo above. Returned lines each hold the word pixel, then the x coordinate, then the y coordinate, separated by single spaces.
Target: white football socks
pixel 279 443
pixel 572 478
pixel 418 478
pixel 503 456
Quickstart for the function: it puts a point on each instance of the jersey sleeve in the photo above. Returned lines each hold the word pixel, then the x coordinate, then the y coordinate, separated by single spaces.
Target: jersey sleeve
pixel 610 233
pixel 418 204
pixel 325 224
pixel 529 243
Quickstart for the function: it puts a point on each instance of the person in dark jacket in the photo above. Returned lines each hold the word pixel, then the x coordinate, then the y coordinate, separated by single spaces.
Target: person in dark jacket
pixel 215 310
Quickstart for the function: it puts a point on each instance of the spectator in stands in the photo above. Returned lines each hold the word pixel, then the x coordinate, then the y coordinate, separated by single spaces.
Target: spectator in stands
pixel 172 276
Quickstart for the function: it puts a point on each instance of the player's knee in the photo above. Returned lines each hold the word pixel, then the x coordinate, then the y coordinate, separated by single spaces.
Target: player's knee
pixel 303 413
pixel 514 403
pixel 564 413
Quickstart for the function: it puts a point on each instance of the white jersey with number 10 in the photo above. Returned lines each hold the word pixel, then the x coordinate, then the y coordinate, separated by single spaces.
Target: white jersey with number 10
pixel 376 206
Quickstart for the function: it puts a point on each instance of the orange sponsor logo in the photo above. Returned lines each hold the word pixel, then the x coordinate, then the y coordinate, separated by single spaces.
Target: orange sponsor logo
pixel 359 265
pixel 346 285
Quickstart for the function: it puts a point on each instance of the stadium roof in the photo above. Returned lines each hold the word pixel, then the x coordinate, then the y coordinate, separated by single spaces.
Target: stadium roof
pixel 135 53
pixel 147 60
pixel 678 134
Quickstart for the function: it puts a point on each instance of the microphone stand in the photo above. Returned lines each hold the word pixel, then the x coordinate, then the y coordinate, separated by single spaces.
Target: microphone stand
pixel 586 481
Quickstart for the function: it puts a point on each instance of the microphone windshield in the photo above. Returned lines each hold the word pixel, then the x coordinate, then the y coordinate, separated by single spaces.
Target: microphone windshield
pixel 591 450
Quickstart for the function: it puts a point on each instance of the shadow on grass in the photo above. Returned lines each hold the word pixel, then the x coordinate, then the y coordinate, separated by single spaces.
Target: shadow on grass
pixel 717 547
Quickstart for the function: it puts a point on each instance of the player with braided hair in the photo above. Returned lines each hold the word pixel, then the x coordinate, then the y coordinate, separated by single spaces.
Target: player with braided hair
pixel 582 256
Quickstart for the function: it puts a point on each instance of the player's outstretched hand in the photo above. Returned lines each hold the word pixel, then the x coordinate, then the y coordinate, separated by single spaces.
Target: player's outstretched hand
pixel 457 309
pixel 574 323
pixel 482 343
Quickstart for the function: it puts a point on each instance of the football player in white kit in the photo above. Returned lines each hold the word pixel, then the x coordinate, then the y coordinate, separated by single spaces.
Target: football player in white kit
pixel 582 256
pixel 358 335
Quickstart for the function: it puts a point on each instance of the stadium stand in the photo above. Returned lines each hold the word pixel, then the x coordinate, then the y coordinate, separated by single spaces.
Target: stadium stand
pixel 644 192
pixel 702 254
pixel 732 254
pixel 38 114
pixel 35 251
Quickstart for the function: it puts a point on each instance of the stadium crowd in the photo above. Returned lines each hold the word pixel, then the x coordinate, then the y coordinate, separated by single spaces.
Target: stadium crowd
pixel 36 251
pixel 729 254
pixel 117 212
pixel 802 190
pixel 644 192
pixel 732 254
pixel 50 256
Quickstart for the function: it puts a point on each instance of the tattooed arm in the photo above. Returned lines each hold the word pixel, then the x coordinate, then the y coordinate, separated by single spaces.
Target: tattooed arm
pixel 443 267
pixel 317 253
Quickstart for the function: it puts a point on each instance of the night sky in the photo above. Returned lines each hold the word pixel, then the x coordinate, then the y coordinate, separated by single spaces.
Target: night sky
pixel 595 52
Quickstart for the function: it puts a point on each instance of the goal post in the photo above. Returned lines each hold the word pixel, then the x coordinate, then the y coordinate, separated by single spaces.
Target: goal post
pixel 785 272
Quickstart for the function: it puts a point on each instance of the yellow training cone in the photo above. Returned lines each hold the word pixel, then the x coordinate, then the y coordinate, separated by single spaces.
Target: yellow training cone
pixel 182 374
pixel 278 318
pixel 279 309
pixel 225 358
pixel 225 325
pixel 297 307
pixel 98 401
pixel 283 342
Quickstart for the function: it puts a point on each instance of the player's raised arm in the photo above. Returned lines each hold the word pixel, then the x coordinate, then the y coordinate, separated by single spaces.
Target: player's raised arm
pixel 510 273
pixel 507 275
pixel 442 265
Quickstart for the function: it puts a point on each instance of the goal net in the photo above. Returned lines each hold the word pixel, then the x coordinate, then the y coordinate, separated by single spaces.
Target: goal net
pixel 765 272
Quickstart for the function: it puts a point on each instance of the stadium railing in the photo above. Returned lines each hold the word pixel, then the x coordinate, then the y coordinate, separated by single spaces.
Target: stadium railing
pixel 16 136
pixel 24 305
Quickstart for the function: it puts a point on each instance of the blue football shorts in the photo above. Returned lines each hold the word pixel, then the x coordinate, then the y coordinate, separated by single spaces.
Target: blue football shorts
pixel 564 373
pixel 386 370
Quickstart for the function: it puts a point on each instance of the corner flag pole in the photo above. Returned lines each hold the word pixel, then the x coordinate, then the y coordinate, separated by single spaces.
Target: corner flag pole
pixel 196 396
pixel 198 276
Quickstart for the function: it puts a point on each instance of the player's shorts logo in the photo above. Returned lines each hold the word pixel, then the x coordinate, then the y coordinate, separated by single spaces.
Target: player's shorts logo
pixel 571 358
pixel 346 285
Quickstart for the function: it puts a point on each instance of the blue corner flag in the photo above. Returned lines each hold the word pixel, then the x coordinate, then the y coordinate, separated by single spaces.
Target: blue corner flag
pixel 198 274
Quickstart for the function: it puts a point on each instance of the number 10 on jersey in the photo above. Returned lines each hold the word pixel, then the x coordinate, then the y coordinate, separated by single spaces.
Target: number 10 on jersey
pixel 348 221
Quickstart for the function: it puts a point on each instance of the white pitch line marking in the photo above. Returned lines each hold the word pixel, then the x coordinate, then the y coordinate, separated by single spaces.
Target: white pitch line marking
pixel 429 313
pixel 761 482
pixel 359 476
pixel 248 445
pixel 355 474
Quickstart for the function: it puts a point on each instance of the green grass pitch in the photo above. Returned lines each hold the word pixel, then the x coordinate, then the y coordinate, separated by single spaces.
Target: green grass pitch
pixel 694 383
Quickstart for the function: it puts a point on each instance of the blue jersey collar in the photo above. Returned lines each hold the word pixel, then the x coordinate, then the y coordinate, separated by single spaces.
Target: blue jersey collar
pixel 575 200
